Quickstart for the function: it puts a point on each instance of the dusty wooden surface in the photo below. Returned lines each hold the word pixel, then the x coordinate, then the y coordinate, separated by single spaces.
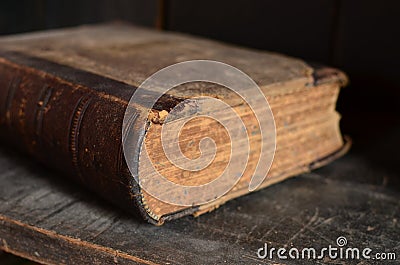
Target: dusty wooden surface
pixel 53 221
pixel 9 259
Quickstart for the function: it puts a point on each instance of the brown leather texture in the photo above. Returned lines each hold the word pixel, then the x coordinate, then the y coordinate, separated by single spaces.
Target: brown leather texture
pixel 57 118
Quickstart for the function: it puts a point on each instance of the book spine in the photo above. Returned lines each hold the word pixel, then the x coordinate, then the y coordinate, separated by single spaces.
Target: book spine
pixel 67 125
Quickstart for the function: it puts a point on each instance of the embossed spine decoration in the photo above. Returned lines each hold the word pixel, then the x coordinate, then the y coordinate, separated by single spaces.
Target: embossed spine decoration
pixel 58 113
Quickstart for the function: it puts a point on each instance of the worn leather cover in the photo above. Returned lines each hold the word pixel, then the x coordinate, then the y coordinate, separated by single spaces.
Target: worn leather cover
pixel 61 107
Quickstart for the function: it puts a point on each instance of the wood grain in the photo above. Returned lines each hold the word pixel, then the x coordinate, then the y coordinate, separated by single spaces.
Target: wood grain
pixel 48 220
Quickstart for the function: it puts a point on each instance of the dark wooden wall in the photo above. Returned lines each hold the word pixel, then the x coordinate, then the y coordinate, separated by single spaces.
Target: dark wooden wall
pixel 28 15
pixel 359 36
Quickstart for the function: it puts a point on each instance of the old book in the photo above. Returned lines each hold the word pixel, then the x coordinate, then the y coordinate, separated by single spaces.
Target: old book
pixel 64 95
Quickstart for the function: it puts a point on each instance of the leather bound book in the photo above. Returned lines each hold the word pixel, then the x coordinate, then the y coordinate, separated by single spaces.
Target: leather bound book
pixel 66 100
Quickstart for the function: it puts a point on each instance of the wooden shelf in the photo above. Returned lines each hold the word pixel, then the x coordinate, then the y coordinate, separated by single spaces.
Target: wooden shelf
pixel 49 220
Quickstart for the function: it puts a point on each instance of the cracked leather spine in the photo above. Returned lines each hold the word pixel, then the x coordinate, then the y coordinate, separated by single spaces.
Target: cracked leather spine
pixel 69 120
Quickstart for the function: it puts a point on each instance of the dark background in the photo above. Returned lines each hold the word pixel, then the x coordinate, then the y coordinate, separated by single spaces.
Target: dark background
pixel 360 37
